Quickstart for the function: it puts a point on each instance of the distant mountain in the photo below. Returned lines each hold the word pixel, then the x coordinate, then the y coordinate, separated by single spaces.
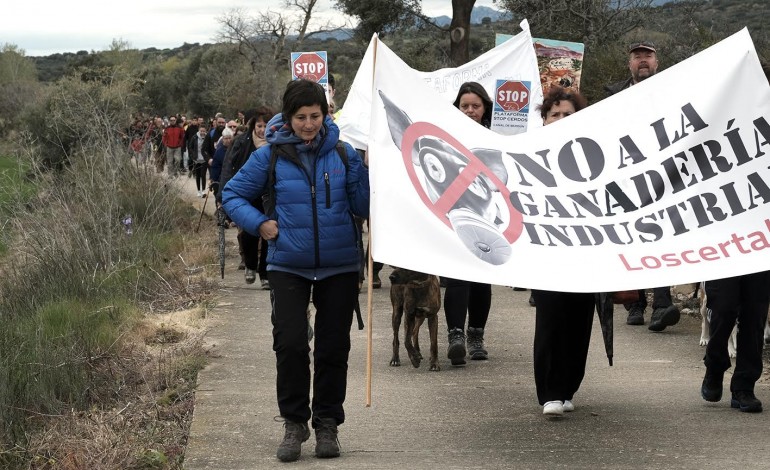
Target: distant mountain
pixel 342 34
pixel 478 14
pixel 543 50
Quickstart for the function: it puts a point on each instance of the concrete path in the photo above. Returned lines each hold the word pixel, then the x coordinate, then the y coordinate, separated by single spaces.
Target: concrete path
pixel 644 412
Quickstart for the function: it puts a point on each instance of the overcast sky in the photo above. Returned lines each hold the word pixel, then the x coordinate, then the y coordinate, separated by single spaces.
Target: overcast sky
pixel 43 27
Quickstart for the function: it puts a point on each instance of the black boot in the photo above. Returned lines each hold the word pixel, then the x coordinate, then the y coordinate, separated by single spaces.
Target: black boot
pixel 476 349
pixel 711 388
pixel 456 349
pixel 290 448
pixel 327 445
pixel 745 401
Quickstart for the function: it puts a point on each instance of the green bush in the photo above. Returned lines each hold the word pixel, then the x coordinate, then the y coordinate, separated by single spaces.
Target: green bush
pixel 75 274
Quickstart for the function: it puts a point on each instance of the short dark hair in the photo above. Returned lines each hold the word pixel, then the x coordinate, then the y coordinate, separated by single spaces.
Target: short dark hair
pixel 252 115
pixel 303 92
pixel 478 90
pixel 556 94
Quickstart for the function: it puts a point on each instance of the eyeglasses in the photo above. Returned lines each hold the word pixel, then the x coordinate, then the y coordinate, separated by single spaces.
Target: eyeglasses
pixel 233 127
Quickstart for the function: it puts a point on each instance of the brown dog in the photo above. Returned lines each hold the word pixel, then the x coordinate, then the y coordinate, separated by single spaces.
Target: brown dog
pixel 418 296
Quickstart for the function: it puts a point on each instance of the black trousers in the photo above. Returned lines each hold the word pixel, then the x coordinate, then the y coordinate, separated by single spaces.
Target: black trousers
pixel 334 299
pixel 745 299
pixel 563 322
pixel 199 169
pixel 254 251
pixel 466 299
pixel 661 297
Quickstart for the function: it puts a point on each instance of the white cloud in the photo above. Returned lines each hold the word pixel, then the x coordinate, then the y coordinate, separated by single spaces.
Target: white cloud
pixel 46 27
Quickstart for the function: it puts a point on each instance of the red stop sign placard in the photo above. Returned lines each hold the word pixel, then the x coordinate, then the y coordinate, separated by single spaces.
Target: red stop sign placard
pixel 512 96
pixel 309 65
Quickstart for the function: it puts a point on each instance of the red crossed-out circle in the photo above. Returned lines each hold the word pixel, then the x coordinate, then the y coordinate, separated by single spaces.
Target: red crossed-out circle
pixel 512 96
pixel 455 190
pixel 309 65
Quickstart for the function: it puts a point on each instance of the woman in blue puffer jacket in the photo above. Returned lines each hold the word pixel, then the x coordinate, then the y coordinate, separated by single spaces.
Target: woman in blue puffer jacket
pixel 312 250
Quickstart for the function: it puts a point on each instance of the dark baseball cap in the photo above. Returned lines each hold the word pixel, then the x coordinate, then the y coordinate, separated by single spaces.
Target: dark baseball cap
pixel 648 45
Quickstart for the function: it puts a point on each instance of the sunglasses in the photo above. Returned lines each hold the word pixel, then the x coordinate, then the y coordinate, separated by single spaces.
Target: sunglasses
pixel 233 127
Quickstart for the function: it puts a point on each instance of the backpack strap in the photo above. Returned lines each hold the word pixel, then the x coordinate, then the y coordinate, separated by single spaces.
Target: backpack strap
pixel 268 197
pixel 343 153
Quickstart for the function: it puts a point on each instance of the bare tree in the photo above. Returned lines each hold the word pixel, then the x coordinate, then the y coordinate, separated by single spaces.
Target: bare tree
pixel 306 7
pixel 591 22
pixel 250 34
pixel 380 17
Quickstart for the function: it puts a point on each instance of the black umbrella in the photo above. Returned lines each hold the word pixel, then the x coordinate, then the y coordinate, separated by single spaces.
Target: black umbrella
pixel 604 308
pixel 221 221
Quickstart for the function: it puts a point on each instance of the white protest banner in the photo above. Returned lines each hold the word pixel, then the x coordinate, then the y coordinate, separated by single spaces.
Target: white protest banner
pixel 513 60
pixel 665 183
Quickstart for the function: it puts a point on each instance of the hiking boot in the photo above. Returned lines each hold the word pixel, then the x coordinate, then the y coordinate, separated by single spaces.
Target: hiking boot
pixel 745 401
pixel 250 275
pixel 663 317
pixel 327 445
pixel 476 344
pixel 711 389
pixel 456 349
pixel 291 446
pixel 635 316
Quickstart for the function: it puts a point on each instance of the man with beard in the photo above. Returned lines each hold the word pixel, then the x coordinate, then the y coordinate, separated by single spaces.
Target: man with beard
pixel 642 62
pixel 173 140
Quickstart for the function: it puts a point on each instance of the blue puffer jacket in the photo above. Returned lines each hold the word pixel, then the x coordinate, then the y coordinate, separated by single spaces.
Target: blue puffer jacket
pixel 317 235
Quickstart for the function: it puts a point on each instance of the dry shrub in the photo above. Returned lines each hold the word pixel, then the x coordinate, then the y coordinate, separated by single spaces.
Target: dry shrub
pixel 100 243
pixel 145 423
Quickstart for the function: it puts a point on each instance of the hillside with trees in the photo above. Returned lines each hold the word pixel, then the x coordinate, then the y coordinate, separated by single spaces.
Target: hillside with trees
pixel 185 78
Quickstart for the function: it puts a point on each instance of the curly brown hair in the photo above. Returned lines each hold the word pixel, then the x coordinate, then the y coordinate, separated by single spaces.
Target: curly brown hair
pixel 556 94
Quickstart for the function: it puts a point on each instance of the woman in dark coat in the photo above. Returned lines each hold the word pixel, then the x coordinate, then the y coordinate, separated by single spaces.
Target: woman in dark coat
pixel 464 298
pixel 563 320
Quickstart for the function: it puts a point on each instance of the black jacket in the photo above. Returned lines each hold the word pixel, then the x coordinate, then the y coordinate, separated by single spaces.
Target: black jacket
pixel 618 86
pixel 237 155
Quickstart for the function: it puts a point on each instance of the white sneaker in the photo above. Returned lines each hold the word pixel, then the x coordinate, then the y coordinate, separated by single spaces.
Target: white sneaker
pixel 568 406
pixel 200 193
pixel 553 408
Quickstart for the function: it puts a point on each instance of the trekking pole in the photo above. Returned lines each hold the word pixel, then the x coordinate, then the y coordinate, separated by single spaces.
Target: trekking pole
pixel 203 209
